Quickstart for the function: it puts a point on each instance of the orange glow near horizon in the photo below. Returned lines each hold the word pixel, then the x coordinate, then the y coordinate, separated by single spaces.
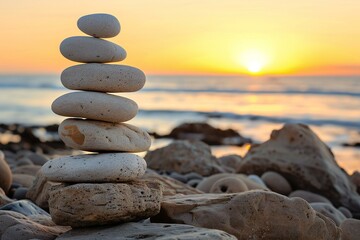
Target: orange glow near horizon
pixel 193 37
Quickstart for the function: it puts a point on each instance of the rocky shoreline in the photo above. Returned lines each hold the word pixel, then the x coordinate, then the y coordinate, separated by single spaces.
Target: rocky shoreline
pixel 289 187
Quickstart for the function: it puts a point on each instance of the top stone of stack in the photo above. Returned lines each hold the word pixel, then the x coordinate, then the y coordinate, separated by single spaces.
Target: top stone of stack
pixel 99 25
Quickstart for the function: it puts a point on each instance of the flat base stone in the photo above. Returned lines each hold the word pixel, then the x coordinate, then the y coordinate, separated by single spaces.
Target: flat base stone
pixel 85 204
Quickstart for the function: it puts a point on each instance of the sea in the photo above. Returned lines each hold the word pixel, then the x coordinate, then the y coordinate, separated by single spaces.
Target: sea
pixel 254 106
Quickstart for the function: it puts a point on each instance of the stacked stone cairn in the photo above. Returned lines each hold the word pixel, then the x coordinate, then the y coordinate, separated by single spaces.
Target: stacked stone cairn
pixel 101 187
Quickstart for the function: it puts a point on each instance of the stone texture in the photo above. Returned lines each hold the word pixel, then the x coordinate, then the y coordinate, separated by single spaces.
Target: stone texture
pixel 170 186
pixel 276 183
pixel 249 215
pixel 5 174
pixel 14 225
pixel 329 211
pixel 96 136
pixel 184 157
pixel 229 185
pixel 309 196
pixel 96 168
pixel 96 106
pixel 146 231
pixel 25 207
pixel 39 191
pixel 206 184
pixel 306 162
pixel 91 50
pixel 350 229
pixel 99 25
pixel 103 78
pixel 82 204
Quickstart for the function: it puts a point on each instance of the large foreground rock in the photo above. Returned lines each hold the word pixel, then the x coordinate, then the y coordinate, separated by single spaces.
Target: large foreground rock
pixel 249 215
pixel 82 204
pixel 14 225
pixel 149 231
pixel 306 162
pixel 184 157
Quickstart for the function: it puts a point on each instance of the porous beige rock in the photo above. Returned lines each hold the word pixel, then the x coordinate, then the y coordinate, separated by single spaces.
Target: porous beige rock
pixel 95 106
pixel 14 225
pixel 95 168
pixel 306 162
pixel 39 190
pixel 276 183
pixel 90 135
pixel 103 78
pixel 5 173
pixel 99 25
pixel 350 229
pixel 206 184
pixel 229 185
pixel 249 215
pixel 85 204
pixel 184 157
pixel 91 50
pixel 146 231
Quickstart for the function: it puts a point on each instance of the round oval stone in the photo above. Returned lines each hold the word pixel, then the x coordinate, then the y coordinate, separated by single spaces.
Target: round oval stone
pixel 103 78
pixel 96 136
pixel 91 50
pixel 99 25
pixel 96 106
pixel 106 167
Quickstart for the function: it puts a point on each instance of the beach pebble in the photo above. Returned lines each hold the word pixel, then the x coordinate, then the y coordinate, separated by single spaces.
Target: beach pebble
pixel 193 182
pixel 231 161
pixel 20 193
pixel 38 159
pixel 178 176
pixel 228 185
pixel 309 196
pixel 27 169
pixel 257 179
pixel 103 78
pixel 91 50
pixel 350 229
pixel 95 106
pixel 96 168
pixel 5 174
pixel 193 175
pixel 276 182
pixel 329 211
pixel 89 135
pixel 99 25
pixel 25 207
pixel 345 211
pixel 23 180
pixel 3 198
pixel 24 161
pixel 105 203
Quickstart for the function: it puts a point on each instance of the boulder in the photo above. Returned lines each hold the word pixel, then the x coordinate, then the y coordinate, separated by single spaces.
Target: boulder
pixel 146 231
pixel 184 157
pixel 249 215
pixel 14 225
pixel 306 162
pixel 84 204
pixel 207 134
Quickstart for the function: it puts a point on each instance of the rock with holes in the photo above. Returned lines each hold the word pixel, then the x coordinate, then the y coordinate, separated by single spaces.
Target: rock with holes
pixel 95 106
pixel 146 231
pixel 103 78
pixel 85 204
pixel 99 25
pixel 90 135
pixel 91 50
pixel 96 168
pixel 298 154
pixel 249 215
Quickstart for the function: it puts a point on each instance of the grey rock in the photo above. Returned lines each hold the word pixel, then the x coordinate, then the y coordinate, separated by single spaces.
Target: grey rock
pixel 20 193
pixel 25 207
pixel 309 196
pixel 329 211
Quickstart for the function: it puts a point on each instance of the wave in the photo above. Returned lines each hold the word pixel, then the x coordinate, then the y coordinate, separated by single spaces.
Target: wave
pixel 260 92
pixel 30 85
pixel 228 115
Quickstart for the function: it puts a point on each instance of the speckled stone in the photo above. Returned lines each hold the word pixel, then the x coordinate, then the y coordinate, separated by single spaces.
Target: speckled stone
pixel 99 25
pixel 96 168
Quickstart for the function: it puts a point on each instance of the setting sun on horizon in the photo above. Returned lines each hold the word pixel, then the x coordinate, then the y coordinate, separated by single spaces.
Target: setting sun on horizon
pixel 193 37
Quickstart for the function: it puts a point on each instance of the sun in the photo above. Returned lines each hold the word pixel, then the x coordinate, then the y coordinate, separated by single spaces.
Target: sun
pixel 253 60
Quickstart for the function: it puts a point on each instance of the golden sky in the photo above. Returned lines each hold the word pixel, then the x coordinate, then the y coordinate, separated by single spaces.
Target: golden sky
pixel 192 36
